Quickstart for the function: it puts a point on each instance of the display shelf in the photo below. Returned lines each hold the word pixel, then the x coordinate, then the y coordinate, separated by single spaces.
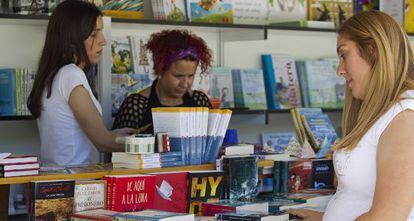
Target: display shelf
pixel 4 118
pixel 177 23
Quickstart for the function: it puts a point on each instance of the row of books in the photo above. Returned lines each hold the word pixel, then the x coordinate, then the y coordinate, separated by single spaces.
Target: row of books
pixel 285 83
pixel 301 13
pixel 178 192
pixel 181 192
pixel 15 87
pixel 195 132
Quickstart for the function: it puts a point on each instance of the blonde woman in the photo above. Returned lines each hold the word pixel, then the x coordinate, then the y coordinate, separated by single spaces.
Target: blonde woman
pixel 374 162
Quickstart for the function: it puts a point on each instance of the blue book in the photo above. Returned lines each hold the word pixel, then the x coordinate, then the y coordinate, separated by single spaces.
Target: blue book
pixel 281 81
pixel 277 142
pixel 215 148
pixel 178 145
pixel 210 141
pixel 249 91
pixel 8 100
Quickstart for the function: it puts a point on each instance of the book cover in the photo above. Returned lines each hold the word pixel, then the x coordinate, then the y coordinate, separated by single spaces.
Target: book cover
pixel 322 174
pixel 142 58
pixel 8 100
pixel 138 82
pixel 323 84
pixel 277 142
pixel 281 81
pixel 330 10
pixel 171 192
pixel 130 9
pixel 222 86
pixel 121 55
pixel 287 10
pixel 250 12
pixel 203 186
pixel 89 194
pixel 409 16
pixel 249 88
pixel 51 200
pixel 299 175
pixel 132 192
pixel 119 90
pixel 210 11
pixel 241 177
pixel 173 10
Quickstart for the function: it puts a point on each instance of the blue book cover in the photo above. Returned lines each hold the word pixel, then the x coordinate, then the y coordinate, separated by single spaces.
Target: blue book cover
pixel 215 148
pixel 249 91
pixel 172 163
pixel 277 142
pixel 8 100
pixel 210 141
pixel 281 81
pixel 199 144
pixel 177 144
pixel 323 85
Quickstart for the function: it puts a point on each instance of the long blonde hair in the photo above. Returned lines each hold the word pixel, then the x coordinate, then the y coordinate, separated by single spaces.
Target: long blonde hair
pixel 384 44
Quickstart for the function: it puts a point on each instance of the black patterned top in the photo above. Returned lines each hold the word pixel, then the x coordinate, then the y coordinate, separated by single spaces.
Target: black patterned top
pixel 135 111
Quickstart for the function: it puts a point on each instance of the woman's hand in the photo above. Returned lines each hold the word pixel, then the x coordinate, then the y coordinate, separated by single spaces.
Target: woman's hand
pixel 306 214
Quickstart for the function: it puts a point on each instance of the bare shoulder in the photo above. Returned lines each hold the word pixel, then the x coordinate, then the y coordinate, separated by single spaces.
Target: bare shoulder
pixel 146 92
pixel 398 135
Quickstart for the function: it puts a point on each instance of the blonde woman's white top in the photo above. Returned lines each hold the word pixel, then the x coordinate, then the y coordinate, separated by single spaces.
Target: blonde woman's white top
pixel 356 170
pixel 63 142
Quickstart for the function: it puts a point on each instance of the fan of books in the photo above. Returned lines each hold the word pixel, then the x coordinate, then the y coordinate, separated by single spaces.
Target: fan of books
pixel 195 135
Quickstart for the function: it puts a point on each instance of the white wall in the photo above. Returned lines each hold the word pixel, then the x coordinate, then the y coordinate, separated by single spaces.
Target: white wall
pixel 21 43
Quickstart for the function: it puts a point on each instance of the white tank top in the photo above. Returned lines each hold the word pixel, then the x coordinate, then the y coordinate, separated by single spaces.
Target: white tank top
pixel 63 141
pixel 356 170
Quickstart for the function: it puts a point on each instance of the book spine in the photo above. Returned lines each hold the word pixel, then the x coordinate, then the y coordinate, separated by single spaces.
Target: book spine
pixel 276 177
pixel 269 80
pixel 284 175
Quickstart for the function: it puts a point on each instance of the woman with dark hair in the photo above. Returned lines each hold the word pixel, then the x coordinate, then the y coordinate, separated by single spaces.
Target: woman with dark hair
pixel 69 116
pixel 176 55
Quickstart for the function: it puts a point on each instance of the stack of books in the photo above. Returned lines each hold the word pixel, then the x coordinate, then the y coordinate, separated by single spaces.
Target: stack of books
pixel 136 161
pixel 19 165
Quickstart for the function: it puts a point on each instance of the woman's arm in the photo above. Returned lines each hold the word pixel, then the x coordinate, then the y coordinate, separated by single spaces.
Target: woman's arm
pixel 92 123
pixel 394 190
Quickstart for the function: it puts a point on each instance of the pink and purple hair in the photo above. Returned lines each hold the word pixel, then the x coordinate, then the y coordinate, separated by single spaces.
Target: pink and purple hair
pixel 169 46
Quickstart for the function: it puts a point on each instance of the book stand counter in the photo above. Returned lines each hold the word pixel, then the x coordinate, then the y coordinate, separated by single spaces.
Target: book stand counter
pixel 5 182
